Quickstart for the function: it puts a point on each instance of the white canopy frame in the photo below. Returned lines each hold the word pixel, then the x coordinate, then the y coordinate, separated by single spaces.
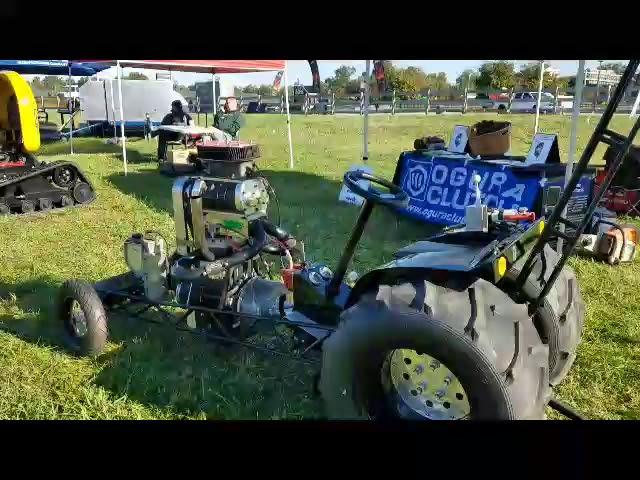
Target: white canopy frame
pixel 120 64
pixel 573 137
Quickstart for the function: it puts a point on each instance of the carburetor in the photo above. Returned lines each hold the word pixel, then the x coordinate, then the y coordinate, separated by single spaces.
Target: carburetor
pixel 146 258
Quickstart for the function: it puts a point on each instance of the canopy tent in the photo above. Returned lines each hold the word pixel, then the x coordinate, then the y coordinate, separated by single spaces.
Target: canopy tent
pixel 52 67
pixel 200 66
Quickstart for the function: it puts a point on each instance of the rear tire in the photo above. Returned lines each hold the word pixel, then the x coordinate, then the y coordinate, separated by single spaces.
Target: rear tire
pixel 560 319
pixel 500 360
pixel 83 317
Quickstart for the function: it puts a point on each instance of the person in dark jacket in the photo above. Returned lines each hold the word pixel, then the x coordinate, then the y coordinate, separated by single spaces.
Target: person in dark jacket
pixel 177 116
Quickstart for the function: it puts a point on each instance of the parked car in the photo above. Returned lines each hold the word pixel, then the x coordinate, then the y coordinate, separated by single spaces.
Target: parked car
pixel 526 102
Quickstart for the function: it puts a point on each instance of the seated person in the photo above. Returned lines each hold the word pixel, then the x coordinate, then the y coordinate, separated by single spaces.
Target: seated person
pixel 177 116
pixel 230 119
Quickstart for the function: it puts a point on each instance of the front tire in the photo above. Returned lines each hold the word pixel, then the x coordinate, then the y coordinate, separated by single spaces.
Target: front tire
pixel 83 317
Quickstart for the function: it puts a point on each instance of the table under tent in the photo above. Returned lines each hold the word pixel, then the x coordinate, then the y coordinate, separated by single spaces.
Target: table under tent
pixel 212 67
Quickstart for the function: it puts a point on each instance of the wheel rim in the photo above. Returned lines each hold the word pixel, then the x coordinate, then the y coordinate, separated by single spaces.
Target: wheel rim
pixel 64 177
pixel 420 386
pixel 76 322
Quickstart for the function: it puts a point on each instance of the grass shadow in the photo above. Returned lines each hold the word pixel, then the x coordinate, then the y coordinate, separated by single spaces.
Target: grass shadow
pixel 158 366
pixel 138 150
pixel 25 309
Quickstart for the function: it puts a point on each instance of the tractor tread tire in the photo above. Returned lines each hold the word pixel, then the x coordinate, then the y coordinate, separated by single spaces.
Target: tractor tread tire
pixel 560 319
pixel 496 352
pixel 93 342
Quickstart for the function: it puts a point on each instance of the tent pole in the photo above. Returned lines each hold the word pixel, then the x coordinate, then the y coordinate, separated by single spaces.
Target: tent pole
pixel 113 113
pixel 286 99
pixel 535 128
pixel 573 138
pixel 71 102
pixel 365 150
pixel 634 110
pixel 213 89
pixel 124 142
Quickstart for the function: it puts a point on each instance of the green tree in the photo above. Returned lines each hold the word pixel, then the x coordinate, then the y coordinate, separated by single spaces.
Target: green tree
pixel 529 77
pixel 82 81
pixel 498 74
pixel 136 76
pixel 341 78
pixel 467 79
pixel 250 89
pixel 53 84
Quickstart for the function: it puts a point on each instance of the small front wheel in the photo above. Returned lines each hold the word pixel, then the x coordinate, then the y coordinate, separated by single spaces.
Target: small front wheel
pixel 83 317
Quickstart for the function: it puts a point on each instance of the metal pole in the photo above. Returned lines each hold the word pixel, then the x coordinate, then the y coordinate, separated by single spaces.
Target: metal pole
pixel 124 141
pixel 113 112
pixel 365 154
pixel 634 110
pixel 535 127
pixel 286 100
pixel 213 89
pixel 573 138
pixel 595 97
pixel 70 103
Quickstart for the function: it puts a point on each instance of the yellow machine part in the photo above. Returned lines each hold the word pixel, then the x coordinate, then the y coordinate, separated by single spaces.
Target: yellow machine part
pixel 18 113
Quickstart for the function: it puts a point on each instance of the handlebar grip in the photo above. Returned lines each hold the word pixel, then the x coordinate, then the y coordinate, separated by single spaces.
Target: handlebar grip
pixel 521 217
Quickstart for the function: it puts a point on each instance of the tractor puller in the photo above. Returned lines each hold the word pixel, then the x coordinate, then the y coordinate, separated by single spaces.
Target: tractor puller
pixel 177 116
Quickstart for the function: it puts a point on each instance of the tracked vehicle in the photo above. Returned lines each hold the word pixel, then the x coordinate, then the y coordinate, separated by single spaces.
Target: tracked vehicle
pixel 28 185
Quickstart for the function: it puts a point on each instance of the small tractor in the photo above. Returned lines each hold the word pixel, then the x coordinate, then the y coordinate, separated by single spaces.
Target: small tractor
pixel 477 322
pixel 26 184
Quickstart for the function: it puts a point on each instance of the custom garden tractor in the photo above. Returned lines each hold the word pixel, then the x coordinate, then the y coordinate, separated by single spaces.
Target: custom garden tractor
pixel 477 322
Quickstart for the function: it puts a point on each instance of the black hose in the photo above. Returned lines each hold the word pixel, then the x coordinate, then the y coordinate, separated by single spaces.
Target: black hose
pixel 565 409
pixel 257 233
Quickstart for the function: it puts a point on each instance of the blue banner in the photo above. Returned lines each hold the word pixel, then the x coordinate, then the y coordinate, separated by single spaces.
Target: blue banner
pixel 439 187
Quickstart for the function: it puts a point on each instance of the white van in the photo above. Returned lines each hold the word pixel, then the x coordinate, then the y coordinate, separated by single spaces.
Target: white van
pixel 527 101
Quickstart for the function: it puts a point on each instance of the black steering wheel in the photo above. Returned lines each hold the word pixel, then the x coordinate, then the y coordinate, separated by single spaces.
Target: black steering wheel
pixel 395 198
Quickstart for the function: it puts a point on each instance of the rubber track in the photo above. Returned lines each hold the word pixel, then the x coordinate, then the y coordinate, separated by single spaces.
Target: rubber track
pixel 44 169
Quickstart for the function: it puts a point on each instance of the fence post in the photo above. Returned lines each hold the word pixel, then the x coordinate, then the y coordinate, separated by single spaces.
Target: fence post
pixel 362 104
pixel 464 105
pixel 509 101
pixel 282 104
pixel 393 102
pixel 333 104
pixel 428 102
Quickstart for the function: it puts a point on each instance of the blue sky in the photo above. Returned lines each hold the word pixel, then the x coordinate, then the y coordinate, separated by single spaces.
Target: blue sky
pixel 299 69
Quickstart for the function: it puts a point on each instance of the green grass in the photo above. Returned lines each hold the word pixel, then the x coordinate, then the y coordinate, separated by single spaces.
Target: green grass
pixel 152 372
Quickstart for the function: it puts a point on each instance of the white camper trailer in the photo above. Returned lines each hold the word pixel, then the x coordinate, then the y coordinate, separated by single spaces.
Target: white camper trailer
pixel 100 103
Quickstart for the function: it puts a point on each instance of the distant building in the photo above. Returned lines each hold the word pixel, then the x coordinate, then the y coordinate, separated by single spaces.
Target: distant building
pixel 606 77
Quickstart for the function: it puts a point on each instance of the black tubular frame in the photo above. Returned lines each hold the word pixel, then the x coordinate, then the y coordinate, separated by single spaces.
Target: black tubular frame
pixel 603 134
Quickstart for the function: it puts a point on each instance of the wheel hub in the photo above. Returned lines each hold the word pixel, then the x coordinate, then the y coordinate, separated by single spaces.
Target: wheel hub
pixel 418 384
pixel 78 321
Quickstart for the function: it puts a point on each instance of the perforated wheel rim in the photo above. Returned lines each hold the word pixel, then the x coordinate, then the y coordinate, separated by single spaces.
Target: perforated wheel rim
pixel 64 177
pixel 420 386
pixel 77 322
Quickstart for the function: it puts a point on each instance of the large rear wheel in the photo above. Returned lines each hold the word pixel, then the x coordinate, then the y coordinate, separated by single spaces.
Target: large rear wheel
pixel 560 319
pixel 420 351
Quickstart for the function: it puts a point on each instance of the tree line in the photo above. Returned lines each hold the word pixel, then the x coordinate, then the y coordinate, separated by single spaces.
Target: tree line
pixel 411 81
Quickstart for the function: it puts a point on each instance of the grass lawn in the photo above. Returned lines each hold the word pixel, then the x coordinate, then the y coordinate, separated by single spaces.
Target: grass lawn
pixel 152 372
